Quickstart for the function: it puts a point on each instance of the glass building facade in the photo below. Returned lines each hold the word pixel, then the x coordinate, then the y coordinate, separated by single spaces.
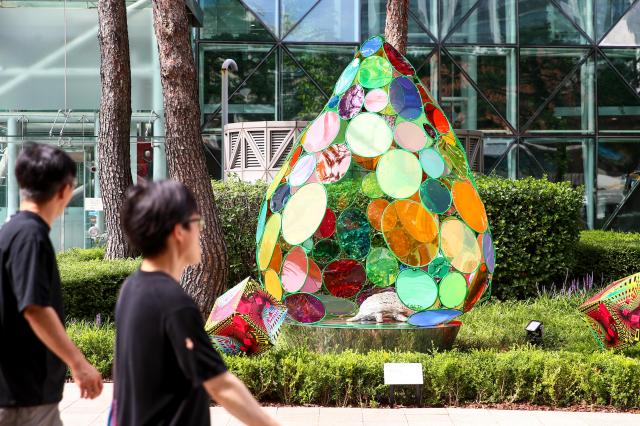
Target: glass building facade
pixel 554 85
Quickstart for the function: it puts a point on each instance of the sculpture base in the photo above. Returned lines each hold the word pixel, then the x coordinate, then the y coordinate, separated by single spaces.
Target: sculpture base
pixel 337 335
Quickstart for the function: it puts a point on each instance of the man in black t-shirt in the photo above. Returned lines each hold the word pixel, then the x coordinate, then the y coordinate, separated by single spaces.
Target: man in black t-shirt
pixel 165 365
pixel 34 345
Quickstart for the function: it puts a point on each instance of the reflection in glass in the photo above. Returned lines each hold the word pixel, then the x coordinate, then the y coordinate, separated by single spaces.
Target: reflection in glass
pixel 291 12
pixel 618 168
pixel 618 105
pixel 581 13
pixel 266 10
pixel 558 160
pixel 425 62
pixel 230 20
pixel 452 12
pixel 541 22
pixel 491 22
pixel 329 21
pixel 627 30
pixel 496 158
pixel 255 99
pixel 608 12
pixel 374 13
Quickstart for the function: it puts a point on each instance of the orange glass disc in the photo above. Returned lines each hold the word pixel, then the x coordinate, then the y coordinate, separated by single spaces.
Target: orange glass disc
pixel 276 258
pixel 366 163
pixel 411 232
pixel 374 212
pixel 469 205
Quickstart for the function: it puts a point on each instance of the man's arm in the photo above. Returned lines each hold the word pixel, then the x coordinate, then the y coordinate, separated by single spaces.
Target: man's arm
pixel 228 391
pixel 46 325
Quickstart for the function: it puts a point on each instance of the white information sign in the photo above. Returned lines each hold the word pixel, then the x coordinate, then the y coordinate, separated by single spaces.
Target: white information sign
pixel 403 373
pixel 94 204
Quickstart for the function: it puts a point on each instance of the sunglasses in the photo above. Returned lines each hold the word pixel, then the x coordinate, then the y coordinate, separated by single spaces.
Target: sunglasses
pixel 199 220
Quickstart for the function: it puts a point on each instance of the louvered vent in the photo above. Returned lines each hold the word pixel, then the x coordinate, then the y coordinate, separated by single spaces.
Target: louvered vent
pixel 236 161
pixel 278 138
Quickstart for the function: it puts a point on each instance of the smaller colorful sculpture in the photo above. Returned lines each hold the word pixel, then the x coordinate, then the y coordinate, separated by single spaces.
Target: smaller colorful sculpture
pixel 614 313
pixel 245 319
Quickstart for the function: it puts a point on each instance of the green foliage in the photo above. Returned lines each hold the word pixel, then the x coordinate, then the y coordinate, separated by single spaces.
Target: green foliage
pixel 81 255
pixel 535 225
pixel 89 285
pixel 607 255
pixel 96 343
pixel 238 205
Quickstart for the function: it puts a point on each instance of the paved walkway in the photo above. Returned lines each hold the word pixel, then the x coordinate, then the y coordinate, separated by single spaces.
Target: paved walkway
pixel 82 412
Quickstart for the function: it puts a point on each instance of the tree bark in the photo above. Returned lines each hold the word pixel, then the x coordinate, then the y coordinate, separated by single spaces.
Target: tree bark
pixel 184 147
pixel 114 162
pixel 396 24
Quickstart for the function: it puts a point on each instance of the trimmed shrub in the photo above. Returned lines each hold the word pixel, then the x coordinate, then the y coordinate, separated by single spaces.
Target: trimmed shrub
pixel 91 286
pixel 607 255
pixel 535 225
pixel 96 343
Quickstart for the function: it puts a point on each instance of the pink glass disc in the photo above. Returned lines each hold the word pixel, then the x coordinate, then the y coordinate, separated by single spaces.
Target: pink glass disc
pixel 376 100
pixel 333 163
pixel 314 278
pixel 410 136
pixel 322 132
pixel 294 270
pixel 351 102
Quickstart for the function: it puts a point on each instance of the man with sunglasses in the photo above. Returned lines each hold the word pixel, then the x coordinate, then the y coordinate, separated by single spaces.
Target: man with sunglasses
pixel 34 346
pixel 165 367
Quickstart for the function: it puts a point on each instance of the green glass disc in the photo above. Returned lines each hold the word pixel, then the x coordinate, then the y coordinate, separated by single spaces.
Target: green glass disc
pixel 453 289
pixel 399 173
pixel 416 289
pixel 382 267
pixel 375 71
pixel 370 186
pixel 368 135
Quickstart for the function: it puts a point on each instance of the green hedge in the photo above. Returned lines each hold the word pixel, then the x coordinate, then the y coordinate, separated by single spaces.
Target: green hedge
pixel 535 224
pixel 607 255
pixel 520 375
pixel 89 284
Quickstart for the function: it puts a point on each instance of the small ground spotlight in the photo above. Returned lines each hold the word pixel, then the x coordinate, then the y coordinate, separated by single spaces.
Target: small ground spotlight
pixel 534 332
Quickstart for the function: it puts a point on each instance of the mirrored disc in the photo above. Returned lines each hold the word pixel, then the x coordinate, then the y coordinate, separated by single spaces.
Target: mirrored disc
pixel 453 290
pixel 375 209
pixel 489 252
pixel 351 102
pixel 478 283
pixel 333 163
pixel 302 170
pixel 328 225
pixel 314 278
pixel 353 233
pixel 397 60
pixel 382 267
pixel 347 76
pixel 322 132
pixel 371 46
pixel 411 232
pixel 376 100
pixel 303 213
pixel 410 136
pixel 399 173
pixel 370 186
pixel 469 206
pixel 280 197
pixel 344 277
pixel 437 118
pixel 337 306
pixel 416 289
pixel 433 318
pixel 272 284
pixel 432 163
pixel 368 135
pixel 375 71
pixel 405 98
pixel 435 196
pixel 269 240
pixel 459 245
pixel 294 270
pixel 304 308
pixel 325 251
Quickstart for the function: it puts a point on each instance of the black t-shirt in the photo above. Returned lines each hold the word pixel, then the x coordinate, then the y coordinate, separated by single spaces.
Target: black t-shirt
pixel 30 374
pixel 163 354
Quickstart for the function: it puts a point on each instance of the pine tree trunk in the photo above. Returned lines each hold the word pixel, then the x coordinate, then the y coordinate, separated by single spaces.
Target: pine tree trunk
pixel 396 25
pixel 184 147
pixel 115 121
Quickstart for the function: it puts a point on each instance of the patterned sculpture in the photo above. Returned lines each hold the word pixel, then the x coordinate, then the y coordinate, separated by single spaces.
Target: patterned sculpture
pixel 376 194
pixel 245 319
pixel 614 313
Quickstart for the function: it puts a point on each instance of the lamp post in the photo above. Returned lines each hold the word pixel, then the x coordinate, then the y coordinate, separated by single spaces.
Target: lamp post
pixel 227 65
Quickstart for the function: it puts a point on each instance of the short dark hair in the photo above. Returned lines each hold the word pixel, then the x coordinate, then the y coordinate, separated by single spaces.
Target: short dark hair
pixel 151 211
pixel 42 170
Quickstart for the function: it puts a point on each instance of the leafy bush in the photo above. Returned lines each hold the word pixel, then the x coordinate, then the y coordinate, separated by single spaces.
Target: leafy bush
pixel 96 343
pixel 91 286
pixel 81 255
pixel 535 225
pixel 607 255
pixel 238 204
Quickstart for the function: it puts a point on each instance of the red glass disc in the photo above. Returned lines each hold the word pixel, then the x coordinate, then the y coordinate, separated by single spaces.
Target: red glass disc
pixel 344 277
pixel 397 60
pixel 328 225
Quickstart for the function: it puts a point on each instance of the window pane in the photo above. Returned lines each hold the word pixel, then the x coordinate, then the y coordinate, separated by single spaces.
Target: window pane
pixel 292 12
pixel 491 22
pixel 542 23
pixel 329 21
pixel 581 12
pixel 618 166
pixel 496 158
pixel 627 30
pixel 301 99
pixel 452 12
pixel 266 10
pixel 229 20
pixel 374 13
pixel 618 105
pixel 608 12
pixel 557 159
pixel 255 99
